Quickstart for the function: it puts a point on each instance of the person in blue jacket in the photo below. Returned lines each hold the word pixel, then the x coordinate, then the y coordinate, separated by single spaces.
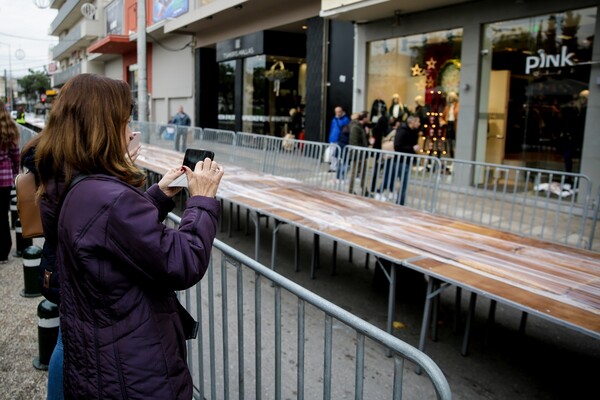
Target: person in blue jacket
pixel 338 134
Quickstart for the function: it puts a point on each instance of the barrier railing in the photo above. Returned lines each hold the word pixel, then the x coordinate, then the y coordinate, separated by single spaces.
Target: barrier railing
pixel 406 179
pixel 263 336
pixel 550 205
pixel 25 135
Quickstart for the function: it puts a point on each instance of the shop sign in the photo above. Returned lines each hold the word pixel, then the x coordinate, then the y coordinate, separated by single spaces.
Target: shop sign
pixel 242 47
pixel 543 60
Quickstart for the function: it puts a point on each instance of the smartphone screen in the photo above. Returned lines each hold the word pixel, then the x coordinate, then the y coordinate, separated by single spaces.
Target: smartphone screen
pixel 192 156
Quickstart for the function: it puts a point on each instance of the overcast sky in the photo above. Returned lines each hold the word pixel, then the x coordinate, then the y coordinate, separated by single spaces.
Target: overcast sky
pixel 24 27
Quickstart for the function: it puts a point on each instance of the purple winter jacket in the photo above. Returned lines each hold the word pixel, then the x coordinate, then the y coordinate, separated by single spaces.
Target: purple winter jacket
pixel 118 269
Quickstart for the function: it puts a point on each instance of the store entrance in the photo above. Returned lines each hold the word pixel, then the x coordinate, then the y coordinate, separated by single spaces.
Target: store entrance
pixel 535 88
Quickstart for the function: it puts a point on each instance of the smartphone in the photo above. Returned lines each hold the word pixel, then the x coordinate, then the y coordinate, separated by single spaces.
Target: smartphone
pixel 191 158
pixel 135 141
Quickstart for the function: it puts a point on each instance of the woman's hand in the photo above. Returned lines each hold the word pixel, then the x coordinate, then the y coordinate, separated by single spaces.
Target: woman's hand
pixel 205 179
pixel 169 177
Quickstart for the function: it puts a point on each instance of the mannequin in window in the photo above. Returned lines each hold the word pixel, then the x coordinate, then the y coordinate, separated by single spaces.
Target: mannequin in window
pixel 449 119
pixel 420 109
pixel 398 111
pixel 377 110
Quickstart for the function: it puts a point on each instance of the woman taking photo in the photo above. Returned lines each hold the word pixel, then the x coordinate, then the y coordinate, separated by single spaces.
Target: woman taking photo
pixel 118 264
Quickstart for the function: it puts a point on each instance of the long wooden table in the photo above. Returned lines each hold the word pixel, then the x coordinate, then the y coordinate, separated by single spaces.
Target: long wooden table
pixel 552 281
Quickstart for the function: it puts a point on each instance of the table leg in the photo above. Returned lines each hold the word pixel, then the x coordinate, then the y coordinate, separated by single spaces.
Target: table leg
pixel 247 221
pixel 391 304
pixel 426 314
pixel 435 310
pixel 315 256
pixel 274 247
pixel 297 250
pixel 491 320
pixel 470 316
pixel 237 216
pixel 222 222
pixel 334 268
pixel 457 308
pixel 256 218
pixel 523 323
pixel 230 219
pixel 350 254
pixel 367 259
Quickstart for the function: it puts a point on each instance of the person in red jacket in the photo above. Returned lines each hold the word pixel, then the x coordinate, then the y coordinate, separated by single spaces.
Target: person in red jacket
pixel 119 265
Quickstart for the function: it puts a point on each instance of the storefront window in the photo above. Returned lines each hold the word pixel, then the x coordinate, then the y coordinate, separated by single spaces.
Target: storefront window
pixel 270 90
pixel 226 115
pixel 418 74
pixel 534 88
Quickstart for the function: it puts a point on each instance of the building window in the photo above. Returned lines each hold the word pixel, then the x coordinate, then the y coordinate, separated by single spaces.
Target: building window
pixel 534 87
pixel 226 115
pixel 417 74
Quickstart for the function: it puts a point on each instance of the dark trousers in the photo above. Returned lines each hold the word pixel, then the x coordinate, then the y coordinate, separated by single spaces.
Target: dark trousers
pixel 181 136
pixel 5 236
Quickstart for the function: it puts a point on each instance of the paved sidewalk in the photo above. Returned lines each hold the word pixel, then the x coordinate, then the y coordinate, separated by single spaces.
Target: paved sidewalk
pixel 19 380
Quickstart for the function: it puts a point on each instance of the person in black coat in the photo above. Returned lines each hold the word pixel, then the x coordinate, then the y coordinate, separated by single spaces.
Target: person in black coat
pixel 406 141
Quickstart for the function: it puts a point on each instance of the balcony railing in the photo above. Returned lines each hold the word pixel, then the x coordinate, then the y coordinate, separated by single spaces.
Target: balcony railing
pixel 59 78
pixel 70 7
pixel 79 37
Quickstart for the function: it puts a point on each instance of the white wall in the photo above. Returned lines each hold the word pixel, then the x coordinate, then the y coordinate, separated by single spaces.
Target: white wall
pixel 172 77
pixel 114 69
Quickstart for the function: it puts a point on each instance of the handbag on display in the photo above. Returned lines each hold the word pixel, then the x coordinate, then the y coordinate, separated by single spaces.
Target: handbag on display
pixel 27 206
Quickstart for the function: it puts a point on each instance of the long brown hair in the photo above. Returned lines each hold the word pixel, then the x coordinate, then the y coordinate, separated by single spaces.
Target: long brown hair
pixel 85 132
pixel 9 132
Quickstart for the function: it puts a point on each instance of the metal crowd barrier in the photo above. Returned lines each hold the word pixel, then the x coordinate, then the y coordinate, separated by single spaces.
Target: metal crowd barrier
pixel 401 178
pixel 25 135
pixel 550 205
pixel 263 336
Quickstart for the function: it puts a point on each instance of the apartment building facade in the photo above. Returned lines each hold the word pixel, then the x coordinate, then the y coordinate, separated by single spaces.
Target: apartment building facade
pixel 101 37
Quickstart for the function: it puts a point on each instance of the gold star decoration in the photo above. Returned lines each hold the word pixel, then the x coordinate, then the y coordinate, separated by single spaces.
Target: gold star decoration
pixel 417 71
pixel 420 85
pixel 430 82
pixel 431 63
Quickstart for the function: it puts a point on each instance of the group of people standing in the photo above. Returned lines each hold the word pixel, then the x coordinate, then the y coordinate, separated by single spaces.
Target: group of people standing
pixel 410 132
pixel 401 129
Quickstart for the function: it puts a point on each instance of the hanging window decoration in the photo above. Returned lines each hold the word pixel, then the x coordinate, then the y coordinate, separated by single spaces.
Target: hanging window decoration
pixel 277 74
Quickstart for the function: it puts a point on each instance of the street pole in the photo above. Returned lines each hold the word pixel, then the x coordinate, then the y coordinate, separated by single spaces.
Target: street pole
pixel 141 61
pixel 12 94
pixel 8 81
